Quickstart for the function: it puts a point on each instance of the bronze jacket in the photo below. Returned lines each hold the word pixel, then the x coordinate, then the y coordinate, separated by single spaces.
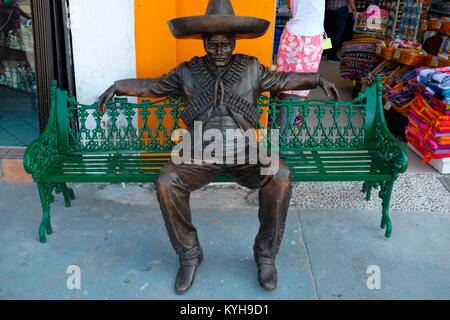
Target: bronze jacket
pixel 204 87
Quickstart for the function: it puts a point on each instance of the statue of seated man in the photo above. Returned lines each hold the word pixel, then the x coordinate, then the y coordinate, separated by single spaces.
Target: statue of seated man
pixel 220 91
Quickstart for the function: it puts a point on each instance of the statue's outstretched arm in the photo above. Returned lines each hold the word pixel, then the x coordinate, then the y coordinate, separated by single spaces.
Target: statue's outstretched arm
pixel 286 81
pixel 163 86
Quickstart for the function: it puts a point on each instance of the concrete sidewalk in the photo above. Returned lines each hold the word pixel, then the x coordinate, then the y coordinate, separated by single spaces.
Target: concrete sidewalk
pixel 118 239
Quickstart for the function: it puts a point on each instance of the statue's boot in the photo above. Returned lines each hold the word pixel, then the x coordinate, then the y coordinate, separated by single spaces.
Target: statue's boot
pixel 186 274
pixel 267 273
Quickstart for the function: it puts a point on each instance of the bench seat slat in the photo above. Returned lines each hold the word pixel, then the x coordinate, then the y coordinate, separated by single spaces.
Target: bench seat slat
pixel 325 160
pixel 330 177
pixel 106 164
pixel 107 170
pixel 308 166
pixel 99 178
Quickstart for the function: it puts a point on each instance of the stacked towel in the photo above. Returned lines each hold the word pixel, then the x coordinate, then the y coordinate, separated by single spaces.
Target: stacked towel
pixel 429 119
pixel 437 81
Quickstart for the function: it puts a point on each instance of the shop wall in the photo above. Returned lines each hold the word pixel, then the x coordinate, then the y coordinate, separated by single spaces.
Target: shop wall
pixel 117 39
pixel 156 49
pixel 157 52
pixel 103 45
pixel 261 47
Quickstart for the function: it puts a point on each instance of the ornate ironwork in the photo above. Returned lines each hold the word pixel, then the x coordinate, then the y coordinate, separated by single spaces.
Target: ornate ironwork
pixel 326 125
pixel 43 150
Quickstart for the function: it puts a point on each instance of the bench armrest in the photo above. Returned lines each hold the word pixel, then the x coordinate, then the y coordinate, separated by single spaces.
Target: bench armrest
pixel 391 150
pixel 389 147
pixel 41 152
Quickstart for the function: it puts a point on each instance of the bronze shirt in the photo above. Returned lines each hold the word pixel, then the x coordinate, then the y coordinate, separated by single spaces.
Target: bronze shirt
pixel 223 98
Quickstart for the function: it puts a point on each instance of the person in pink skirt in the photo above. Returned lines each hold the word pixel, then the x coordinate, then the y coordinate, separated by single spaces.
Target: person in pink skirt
pixel 301 48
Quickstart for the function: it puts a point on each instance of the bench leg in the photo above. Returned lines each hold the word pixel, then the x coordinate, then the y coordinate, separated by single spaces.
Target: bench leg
pixel 46 196
pixel 368 187
pixel 385 195
pixel 67 193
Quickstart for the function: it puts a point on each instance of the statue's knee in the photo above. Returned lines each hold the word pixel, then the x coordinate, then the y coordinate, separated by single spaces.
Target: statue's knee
pixel 166 180
pixel 284 175
pixel 281 180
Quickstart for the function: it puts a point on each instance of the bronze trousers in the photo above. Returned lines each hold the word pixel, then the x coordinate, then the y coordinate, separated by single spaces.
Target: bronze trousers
pixel 176 182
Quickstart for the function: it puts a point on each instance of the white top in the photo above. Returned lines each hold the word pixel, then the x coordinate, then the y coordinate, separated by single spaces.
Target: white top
pixel 308 17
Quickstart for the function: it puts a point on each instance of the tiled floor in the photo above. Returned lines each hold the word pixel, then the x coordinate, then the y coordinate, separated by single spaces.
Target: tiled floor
pixel 19 122
pixel 11 166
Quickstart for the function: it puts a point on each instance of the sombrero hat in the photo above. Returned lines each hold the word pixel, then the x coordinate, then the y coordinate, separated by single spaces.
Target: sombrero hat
pixel 219 19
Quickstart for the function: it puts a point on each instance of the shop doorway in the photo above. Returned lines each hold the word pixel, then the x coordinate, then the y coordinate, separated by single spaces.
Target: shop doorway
pixel 19 119
pixel 35 48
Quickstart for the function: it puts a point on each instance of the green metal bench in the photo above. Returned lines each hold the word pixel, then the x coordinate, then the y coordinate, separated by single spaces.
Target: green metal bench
pixel 338 141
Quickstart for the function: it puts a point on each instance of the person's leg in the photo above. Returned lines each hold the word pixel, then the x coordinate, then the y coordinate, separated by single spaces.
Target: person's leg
pixel 331 31
pixel 308 59
pixel 174 186
pixel 291 57
pixel 274 199
pixel 338 19
pixel 347 34
pixel 327 22
pixel 342 16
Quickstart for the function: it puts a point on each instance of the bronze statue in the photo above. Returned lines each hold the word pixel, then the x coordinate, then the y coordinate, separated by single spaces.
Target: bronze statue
pixel 220 90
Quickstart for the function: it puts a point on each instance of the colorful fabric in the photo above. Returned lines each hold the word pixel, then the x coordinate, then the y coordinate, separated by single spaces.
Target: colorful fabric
pixel 426 141
pixel 433 102
pixel 299 120
pixel 441 138
pixel 427 114
pixel 299 54
pixel 429 120
pixel 427 154
pixel 357 57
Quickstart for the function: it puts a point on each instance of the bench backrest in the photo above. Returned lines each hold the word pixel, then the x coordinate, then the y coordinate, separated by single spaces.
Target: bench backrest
pixel 147 127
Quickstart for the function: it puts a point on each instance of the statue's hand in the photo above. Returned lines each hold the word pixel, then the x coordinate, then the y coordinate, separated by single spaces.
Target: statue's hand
pixel 329 88
pixel 105 98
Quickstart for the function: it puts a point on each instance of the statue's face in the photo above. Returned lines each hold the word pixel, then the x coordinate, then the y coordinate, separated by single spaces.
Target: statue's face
pixel 219 48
